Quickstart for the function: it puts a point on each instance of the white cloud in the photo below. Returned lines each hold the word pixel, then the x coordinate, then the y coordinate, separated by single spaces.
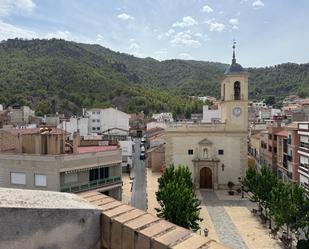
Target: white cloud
pixel 207 9
pixel 7 7
pixel 186 21
pixel 99 38
pixel 169 32
pixel 66 35
pixel 215 26
pixel 134 46
pixel 10 31
pixel 221 12
pixel 125 17
pixel 160 54
pixel 184 38
pixel 258 4
pixel 185 56
pixel 234 22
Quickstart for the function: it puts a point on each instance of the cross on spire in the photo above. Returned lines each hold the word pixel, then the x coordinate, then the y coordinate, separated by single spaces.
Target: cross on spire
pixel 234 58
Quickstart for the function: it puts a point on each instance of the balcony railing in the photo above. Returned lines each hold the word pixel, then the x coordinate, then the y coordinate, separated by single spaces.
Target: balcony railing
pixel 79 187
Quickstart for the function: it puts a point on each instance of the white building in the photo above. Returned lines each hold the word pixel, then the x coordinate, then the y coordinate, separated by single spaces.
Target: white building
pixel 163 117
pixel 74 124
pixel 211 115
pixel 108 120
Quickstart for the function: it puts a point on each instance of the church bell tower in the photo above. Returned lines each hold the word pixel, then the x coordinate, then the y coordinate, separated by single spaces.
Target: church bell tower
pixel 234 96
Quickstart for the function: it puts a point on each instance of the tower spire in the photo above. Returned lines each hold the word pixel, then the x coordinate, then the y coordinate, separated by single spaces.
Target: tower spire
pixel 234 58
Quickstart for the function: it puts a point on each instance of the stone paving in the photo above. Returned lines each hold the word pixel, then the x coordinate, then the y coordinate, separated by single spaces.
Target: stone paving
pixel 228 218
pixel 224 226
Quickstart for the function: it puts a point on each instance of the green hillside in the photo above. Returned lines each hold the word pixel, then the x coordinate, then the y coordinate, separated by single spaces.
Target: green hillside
pixel 57 75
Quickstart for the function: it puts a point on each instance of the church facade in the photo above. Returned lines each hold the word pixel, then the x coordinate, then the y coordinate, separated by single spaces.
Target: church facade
pixel 215 152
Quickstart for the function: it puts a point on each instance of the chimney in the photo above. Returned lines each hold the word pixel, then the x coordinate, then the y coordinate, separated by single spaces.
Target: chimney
pixel 76 141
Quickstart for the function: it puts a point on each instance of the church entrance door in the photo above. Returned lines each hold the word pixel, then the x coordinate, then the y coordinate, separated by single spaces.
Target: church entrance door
pixel 205 178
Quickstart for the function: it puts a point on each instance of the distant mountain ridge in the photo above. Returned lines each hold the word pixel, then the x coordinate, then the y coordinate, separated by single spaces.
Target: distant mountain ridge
pixel 57 75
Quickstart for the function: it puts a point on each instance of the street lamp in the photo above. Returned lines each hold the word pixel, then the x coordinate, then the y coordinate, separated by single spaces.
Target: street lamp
pixel 242 187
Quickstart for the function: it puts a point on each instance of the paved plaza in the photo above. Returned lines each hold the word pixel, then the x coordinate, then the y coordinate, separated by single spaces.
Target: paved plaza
pixel 228 218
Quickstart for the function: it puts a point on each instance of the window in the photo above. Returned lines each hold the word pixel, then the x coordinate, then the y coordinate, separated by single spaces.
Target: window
pixel 70 178
pixel 275 137
pixel 304 161
pixel 93 128
pixel 99 173
pixel 304 142
pixel 40 180
pixel 93 112
pixel 220 152
pixel 190 152
pixel 237 90
pixel 98 128
pixel 18 178
pixel 205 153
pixel 93 120
pixel 270 136
pixel 98 112
pixel 98 120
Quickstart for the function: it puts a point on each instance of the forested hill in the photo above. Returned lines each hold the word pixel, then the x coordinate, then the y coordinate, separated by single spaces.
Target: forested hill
pixel 57 75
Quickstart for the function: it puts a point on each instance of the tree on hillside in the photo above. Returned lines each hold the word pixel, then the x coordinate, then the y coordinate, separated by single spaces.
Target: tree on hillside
pixel 177 199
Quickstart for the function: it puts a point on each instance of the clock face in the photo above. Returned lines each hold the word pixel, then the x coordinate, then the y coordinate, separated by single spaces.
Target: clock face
pixel 236 111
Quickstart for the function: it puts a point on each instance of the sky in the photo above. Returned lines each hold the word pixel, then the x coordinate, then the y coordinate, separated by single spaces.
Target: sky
pixel 267 32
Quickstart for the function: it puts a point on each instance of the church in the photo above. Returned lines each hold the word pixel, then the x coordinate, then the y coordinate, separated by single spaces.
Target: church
pixel 215 151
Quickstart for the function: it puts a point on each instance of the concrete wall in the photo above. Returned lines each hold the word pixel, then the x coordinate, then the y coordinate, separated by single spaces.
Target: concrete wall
pixel 72 224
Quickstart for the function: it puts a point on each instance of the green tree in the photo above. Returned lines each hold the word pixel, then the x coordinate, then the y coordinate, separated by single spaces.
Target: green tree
pixel 177 199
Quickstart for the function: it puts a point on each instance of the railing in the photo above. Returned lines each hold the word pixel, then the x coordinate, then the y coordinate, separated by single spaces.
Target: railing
pixel 72 188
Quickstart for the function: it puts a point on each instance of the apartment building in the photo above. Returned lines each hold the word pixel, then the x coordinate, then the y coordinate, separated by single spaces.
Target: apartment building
pixel 303 152
pixel 293 144
pixel 20 115
pixel 108 120
pixel 284 170
pixel 43 159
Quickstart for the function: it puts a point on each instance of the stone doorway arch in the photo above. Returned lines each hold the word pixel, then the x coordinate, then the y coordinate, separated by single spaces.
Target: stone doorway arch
pixel 206 178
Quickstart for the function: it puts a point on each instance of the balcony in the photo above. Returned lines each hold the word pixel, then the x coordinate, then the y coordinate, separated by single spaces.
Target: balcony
pixel 79 187
pixel 289 158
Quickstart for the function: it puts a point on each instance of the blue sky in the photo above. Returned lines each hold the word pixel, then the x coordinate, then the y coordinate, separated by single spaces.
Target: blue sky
pixel 267 32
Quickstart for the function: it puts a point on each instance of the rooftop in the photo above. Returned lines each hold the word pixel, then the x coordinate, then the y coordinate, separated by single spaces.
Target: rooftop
pixel 89 149
pixel 42 130
pixel 283 133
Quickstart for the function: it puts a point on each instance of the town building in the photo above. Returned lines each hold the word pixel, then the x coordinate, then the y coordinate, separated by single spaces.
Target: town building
pixel 211 115
pixel 303 152
pixel 73 124
pixel 216 153
pixel 20 115
pixel 138 124
pixel 109 120
pixel 163 117
pixel 293 144
pixel 42 158
pixel 284 172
